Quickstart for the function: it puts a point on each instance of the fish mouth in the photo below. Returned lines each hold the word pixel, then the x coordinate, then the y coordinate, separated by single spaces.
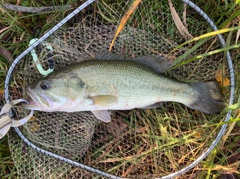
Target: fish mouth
pixel 40 102
pixel 33 102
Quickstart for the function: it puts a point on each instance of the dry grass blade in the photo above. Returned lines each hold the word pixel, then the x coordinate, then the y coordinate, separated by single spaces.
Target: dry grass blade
pixel 124 20
pixel 237 36
pixel 230 129
pixel 180 26
pixel 4 29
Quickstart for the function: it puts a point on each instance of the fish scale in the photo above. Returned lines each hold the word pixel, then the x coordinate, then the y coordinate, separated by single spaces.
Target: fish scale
pixel 128 77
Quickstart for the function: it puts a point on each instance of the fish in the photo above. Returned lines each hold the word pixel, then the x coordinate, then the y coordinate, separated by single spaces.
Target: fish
pixel 110 82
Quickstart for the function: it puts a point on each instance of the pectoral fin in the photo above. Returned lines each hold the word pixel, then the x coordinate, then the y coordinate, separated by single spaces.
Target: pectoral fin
pixel 102 115
pixel 103 100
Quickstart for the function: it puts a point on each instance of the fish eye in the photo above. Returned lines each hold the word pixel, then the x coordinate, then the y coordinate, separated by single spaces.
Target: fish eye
pixel 44 85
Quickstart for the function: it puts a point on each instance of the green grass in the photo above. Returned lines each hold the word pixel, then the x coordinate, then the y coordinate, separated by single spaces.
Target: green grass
pixel 221 162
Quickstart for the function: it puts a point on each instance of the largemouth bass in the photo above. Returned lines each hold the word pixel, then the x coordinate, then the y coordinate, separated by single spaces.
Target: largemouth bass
pixel 100 85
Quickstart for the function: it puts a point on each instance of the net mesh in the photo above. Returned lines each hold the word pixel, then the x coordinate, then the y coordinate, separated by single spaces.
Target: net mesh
pixel 136 143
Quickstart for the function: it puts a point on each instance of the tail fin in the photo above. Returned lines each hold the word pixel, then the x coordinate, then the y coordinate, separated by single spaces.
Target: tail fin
pixel 210 98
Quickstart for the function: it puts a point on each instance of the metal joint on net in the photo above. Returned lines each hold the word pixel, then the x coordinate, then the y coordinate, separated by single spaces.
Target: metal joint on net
pixel 5 119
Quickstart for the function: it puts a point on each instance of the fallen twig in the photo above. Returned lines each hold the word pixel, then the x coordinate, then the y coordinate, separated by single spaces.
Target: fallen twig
pixel 35 9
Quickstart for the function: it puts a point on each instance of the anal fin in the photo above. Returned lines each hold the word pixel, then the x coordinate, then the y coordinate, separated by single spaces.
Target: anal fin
pixel 102 115
pixel 153 106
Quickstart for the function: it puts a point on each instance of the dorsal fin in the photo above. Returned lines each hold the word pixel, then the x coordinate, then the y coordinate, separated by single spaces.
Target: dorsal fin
pixel 158 63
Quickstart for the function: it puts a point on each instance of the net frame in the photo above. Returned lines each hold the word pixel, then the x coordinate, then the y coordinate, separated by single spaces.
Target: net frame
pixel 183 170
